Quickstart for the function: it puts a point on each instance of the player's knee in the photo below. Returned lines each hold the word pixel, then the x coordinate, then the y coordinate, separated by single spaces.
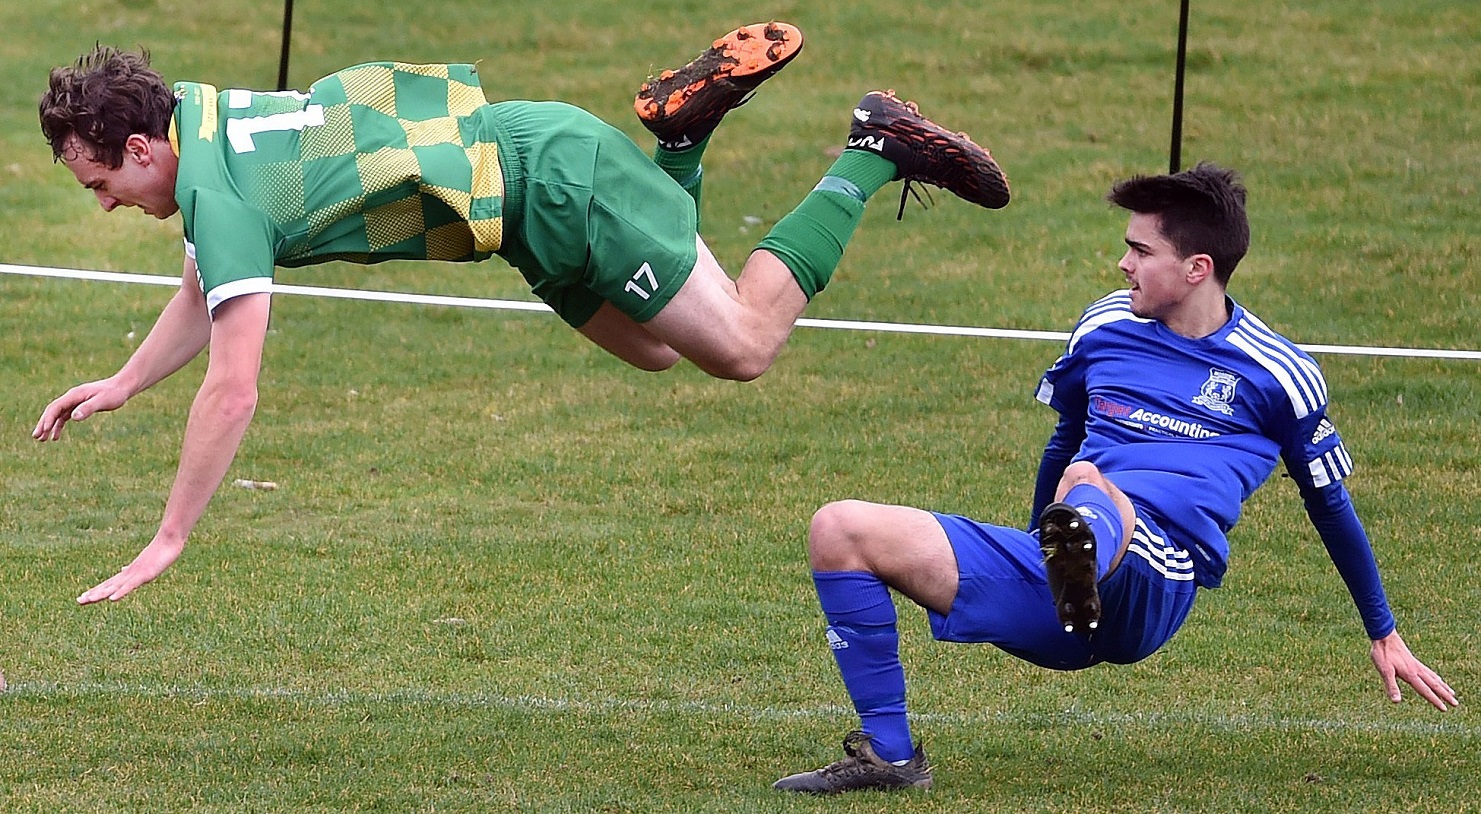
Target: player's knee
pixel 1082 472
pixel 833 538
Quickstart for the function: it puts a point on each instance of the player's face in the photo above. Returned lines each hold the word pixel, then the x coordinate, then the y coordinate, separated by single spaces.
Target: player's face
pixel 1156 272
pixel 143 180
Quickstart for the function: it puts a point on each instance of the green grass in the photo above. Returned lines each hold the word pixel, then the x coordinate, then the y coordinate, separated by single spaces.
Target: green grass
pixel 505 573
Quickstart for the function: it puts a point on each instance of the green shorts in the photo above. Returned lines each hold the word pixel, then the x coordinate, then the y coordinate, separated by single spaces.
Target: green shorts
pixel 593 217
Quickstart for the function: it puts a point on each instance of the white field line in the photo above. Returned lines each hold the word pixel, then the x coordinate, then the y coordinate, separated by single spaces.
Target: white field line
pixel 411 697
pixel 834 324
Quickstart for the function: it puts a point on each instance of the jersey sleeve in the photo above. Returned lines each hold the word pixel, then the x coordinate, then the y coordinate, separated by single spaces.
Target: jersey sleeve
pixel 1318 459
pixel 1062 387
pixel 1063 384
pixel 1318 462
pixel 1331 512
pixel 1059 452
pixel 1310 445
pixel 232 244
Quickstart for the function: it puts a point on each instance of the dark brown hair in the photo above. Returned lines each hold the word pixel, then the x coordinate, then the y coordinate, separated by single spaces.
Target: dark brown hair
pixel 1202 212
pixel 102 99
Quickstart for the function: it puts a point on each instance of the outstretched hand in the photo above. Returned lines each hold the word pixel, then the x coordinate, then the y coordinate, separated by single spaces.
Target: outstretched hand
pixel 151 562
pixel 76 405
pixel 1394 661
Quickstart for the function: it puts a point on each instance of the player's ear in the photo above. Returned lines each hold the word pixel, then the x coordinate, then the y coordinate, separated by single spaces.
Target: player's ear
pixel 1200 267
pixel 137 148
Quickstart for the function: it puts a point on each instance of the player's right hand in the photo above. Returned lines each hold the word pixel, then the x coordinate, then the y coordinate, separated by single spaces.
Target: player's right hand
pixel 76 405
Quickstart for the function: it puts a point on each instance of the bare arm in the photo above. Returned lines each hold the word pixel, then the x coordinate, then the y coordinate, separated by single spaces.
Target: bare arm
pixel 218 419
pixel 178 336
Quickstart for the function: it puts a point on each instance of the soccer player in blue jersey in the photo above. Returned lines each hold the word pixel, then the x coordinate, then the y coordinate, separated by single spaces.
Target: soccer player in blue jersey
pixel 1175 404
pixel 397 161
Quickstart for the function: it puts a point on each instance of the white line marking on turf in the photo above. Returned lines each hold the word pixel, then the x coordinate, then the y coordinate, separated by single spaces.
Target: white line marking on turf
pixel 834 324
pixel 532 703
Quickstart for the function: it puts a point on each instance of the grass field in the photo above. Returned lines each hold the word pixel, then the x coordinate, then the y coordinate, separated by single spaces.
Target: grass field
pixel 505 573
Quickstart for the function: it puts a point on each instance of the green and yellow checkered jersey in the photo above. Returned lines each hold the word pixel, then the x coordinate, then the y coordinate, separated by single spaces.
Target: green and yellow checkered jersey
pixel 376 162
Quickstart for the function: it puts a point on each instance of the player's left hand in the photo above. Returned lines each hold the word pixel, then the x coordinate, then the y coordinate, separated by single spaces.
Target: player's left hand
pixel 1394 661
pixel 151 562
pixel 77 404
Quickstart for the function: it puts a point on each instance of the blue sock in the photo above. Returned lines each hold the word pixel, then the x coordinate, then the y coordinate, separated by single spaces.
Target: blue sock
pixel 862 636
pixel 1105 522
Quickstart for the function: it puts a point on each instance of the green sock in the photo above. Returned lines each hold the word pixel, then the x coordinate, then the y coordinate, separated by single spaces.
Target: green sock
pixel 866 171
pixel 810 239
pixel 683 166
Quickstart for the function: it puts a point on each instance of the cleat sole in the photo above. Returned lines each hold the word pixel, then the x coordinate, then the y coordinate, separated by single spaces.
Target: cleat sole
pixel 719 78
pixel 1068 547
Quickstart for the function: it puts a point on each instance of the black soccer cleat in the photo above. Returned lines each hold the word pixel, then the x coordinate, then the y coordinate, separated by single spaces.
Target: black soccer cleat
pixel 923 151
pixel 1068 546
pixel 682 107
pixel 860 769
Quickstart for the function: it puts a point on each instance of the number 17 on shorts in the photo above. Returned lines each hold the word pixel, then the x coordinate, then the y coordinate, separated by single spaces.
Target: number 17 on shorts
pixel 643 283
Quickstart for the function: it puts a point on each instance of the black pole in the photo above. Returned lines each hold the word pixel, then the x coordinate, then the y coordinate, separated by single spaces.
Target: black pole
pixel 287 34
pixel 1175 158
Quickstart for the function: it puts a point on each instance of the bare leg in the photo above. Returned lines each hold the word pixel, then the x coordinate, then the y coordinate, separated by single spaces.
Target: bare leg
pixel 732 329
pixel 904 547
pixel 629 341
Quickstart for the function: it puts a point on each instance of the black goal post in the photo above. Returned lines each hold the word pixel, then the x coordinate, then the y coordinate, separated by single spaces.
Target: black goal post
pixel 1175 157
pixel 287 35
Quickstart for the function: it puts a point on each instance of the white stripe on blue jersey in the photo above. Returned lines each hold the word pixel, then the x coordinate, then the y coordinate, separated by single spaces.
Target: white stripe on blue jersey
pixel 1331 467
pixel 1256 323
pixel 1110 308
pixel 1169 561
pixel 1299 377
pixel 1303 365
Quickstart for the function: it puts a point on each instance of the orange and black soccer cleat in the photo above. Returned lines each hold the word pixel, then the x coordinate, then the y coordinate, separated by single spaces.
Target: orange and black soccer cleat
pixel 681 107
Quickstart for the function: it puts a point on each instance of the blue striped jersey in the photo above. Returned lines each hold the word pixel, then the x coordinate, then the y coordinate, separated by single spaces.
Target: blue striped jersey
pixel 1190 428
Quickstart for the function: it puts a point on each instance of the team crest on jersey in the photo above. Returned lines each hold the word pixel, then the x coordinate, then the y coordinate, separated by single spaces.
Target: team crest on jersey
pixel 1217 393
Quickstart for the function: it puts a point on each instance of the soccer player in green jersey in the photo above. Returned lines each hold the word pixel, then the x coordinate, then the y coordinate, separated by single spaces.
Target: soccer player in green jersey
pixel 392 160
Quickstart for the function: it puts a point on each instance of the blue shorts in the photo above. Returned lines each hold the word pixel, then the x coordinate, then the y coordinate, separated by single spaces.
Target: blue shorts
pixel 1003 596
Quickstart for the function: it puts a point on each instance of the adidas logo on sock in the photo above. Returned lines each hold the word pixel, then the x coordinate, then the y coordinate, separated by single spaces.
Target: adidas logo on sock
pixel 835 641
